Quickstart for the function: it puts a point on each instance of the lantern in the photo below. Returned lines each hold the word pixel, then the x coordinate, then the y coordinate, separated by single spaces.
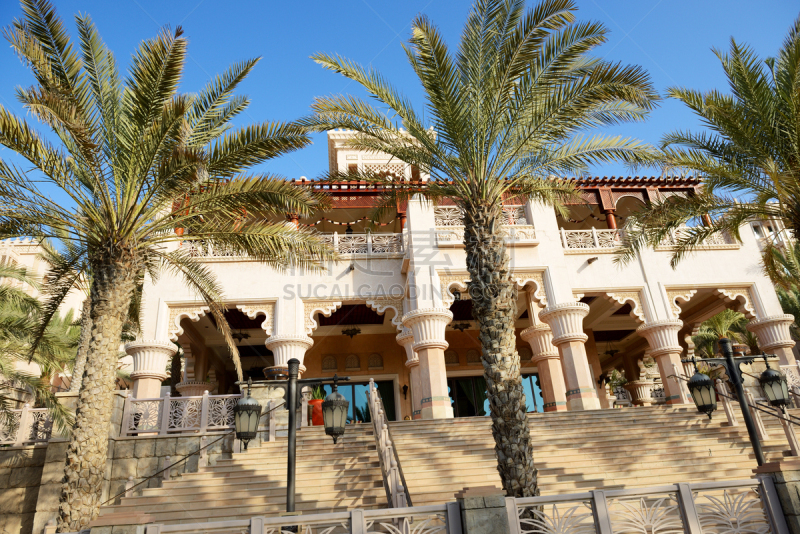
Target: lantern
pixel 334 413
pixel 774 385
pixel 246 414
pixel 703 394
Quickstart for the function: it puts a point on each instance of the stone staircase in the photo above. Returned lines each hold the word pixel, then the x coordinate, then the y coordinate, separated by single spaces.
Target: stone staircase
pixel 579 451
pixel 574 452
pixel 330 478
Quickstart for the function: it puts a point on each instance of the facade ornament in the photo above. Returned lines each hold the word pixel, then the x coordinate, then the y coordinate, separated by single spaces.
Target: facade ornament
pixel 566 321
pixel 662 336
pixel 540 338
pixel 406 340
pixel 632 297
pixel 284 347
pixel 193 388
pixel 521 278
pixel 312 307
pixel 683 294
pixel 428 326
pixel 740 294
pixel 266 308
pixel 380 305
pixel 176 314
pixel 448 279
pixel 150 360
pixel 773 332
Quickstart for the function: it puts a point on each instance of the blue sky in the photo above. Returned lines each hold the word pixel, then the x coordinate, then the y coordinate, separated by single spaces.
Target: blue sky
pixel 672 39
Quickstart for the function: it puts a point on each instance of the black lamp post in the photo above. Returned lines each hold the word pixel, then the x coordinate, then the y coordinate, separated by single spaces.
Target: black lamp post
pixel 246 414
pixel 334 412
pixel 702 388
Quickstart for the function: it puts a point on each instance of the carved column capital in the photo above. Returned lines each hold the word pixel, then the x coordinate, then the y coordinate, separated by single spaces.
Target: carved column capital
pixel 566 321
pixel 773 332
pixel 662 336
pixel 540 338
pixel 406 340
pixel 428 327
pixel 150 358
pixel 284 347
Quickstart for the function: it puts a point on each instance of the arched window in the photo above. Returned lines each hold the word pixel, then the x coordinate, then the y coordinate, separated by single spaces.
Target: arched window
pixel 375 361
pixel 329 363
pixel 525 354
pixel 473 357
pixel 450 357
pixel 352 363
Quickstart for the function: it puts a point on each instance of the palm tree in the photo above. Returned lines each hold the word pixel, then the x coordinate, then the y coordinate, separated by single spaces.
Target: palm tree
pixel 19 317
pixel 136 159
pixel 782 265
pixel 727 323
pixel 750 149
pixel 502 115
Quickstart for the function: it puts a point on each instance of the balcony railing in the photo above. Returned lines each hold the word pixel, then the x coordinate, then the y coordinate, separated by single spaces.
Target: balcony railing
pixel 26 426
pixel 590 240
pixel 514 234
pixel 179 415
pixel 368 243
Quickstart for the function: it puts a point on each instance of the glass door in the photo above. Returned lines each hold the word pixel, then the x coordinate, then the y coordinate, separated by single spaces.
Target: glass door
pixel 356 395
pixel 468 395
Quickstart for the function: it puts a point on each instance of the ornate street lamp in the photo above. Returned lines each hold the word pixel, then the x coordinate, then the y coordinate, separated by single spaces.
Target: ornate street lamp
pixel 703 394
pixel 246 414
pixel 334 412
pixel 774 385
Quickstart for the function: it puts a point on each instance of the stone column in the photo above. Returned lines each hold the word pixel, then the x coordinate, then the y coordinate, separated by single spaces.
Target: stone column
pixel 150 360
pixel 548 363
pixel 428 327
pixel 662 336
pixel 774 337
pixel 406 340
pixel 190 386
pixel 566 321
pixel 284 347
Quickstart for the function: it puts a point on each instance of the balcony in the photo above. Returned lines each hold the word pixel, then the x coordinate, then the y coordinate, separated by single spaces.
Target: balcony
pixel 594 241
pixel 449 231
pixel 383 245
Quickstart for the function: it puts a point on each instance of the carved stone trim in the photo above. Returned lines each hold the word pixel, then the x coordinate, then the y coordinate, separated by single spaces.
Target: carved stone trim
pixel 253 310
pixel 773 332
pixel 150 358
pixel 428 326
pixel 566 321
pixel 684 294
pixel 635 299
pixel 448 279
pixel 740 294
pixel 176 314
pixel 312 307
pixel 662 336
pixel 521 278
pixel 540 338
pixel 380 305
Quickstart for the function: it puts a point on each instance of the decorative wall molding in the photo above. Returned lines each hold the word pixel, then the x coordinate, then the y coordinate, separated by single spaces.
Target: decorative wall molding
pixel 632 297
pixel 187 311
pixel 312 307
pixel 252 310
pixel 683 294
pixel 381 304
pixel 448 279
pixel 521 278
pixel 740 294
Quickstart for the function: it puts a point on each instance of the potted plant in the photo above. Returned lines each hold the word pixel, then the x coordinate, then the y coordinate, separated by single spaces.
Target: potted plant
pixel 317 397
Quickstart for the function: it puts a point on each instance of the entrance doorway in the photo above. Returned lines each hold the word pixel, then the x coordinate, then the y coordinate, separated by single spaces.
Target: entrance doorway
pixel 468 395
pixel 356 395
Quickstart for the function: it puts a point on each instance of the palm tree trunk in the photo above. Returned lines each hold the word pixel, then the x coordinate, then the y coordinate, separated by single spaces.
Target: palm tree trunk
pixel 83 347
pixel 494 307
pixel 112 287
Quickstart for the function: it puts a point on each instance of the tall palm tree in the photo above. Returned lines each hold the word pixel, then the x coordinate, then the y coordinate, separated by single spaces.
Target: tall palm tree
pixel 136 159
pixel 502 115
pixel 750 149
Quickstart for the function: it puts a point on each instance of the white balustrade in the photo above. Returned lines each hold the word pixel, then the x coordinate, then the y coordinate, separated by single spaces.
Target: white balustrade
pixel 174 415
pixel 750 505
pixel 390 469
pixel 367 243
pixel 723 240
pixel 591 239
pixel 26 426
